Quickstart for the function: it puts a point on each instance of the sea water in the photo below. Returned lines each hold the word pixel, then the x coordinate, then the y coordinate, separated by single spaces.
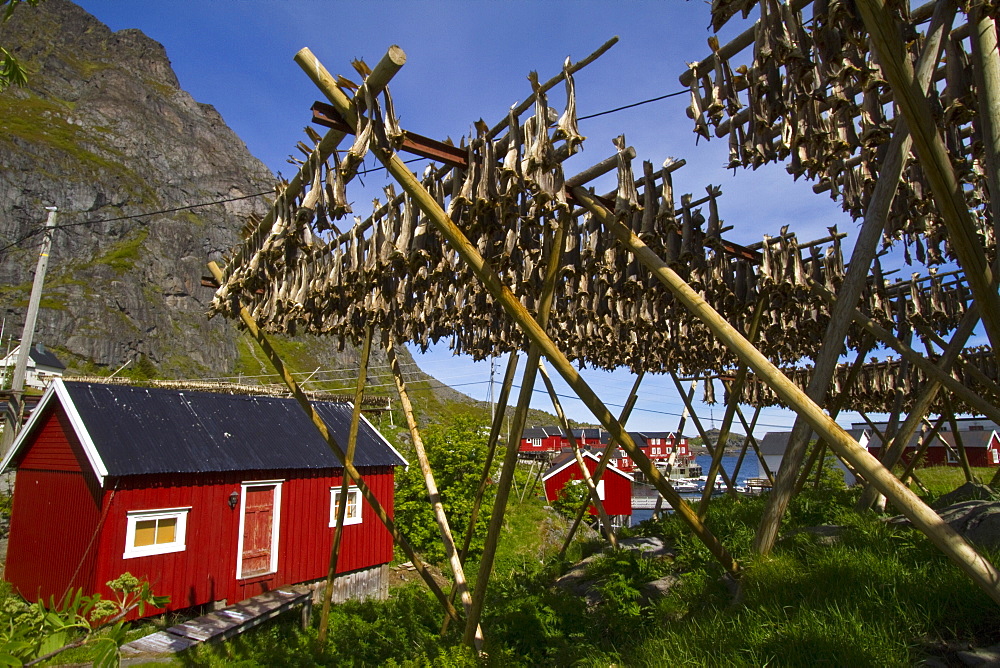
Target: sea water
pixel 749 469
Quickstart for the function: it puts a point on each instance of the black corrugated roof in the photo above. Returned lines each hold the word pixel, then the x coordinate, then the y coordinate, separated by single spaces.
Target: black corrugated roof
pixel 44 357
pixel 139 430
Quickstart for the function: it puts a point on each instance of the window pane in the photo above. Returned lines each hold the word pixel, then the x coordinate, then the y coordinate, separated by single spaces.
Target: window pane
pixel 145 533
pixel 166 530
pixel 352 505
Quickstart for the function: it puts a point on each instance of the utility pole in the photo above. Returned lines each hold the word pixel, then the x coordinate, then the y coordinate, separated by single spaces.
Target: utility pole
pixel 16 411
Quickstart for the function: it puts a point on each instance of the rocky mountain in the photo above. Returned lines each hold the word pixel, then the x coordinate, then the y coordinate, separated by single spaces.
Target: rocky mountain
pixel 104 132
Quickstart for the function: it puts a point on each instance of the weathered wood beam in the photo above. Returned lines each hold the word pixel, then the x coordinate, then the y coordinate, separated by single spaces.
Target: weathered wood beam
pixel 727 419
pixel 450 550
pixel 848 293
pixel 927 366
pixel 602 465
pixel 279 366
pixel 712 448
pixel 934 161
pixel 595 497
pixel 930 523
pixel 345 486
pixel 922 405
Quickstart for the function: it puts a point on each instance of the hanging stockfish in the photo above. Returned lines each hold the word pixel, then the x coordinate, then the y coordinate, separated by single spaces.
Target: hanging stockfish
pixel 394 134
pixel 363 138
pixel 539 163
pixel 709 396
pixel 510 172
pixel 566 127
pixel 627 196
pixel 337 205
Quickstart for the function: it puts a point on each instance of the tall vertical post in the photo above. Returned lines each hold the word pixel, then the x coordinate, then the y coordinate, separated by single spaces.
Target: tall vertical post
pixel 21 370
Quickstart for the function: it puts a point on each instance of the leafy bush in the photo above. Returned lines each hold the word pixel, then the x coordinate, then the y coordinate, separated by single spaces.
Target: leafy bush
pixel 457 454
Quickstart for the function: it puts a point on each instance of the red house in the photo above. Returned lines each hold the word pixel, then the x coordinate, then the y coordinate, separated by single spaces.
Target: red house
pixel 542 439
pixel 660 445
pixel 614 488
pixel 209 497
pixel 982 447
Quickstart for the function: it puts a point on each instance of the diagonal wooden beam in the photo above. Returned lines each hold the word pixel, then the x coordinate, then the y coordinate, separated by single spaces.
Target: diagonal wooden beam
pixel 930 523
pixel 380 512
pixel 588 479
pixel 603 464
pixel 935 163
pixel 922 405
pixel 712 448
pixel 929 368
pixel 451 551
pixel 865 247
pixel 727 420
pixel 345 484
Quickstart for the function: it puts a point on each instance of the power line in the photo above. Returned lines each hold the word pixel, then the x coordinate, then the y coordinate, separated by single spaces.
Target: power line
pixel 634 104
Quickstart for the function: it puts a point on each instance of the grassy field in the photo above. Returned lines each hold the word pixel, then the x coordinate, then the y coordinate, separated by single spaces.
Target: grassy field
pixel 873 595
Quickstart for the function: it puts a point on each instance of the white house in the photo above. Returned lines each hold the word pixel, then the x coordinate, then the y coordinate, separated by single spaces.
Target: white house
pixel 43 366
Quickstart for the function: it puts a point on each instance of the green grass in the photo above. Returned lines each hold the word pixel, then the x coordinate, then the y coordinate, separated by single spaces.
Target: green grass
pixel 943 479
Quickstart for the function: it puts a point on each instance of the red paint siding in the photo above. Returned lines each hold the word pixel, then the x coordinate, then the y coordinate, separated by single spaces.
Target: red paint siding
pixel 617 488
pixel 55 516
pixel 56 447
pixel 206 570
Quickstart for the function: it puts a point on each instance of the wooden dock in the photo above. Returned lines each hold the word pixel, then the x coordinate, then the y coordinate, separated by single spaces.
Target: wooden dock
pixel 224 623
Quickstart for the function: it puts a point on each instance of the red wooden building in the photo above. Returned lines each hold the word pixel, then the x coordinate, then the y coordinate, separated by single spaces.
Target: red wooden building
pixel 209 497
pixel 982 447
pixel 614 488
pixel 543 439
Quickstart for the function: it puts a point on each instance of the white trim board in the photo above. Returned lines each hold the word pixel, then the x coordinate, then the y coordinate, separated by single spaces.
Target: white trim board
pixel 58 389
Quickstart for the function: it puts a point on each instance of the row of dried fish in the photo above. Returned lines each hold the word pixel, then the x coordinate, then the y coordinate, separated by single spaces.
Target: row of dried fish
pixel 814 96
pixel 881 383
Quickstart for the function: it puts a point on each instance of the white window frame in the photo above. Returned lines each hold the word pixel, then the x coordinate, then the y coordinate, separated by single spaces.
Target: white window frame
pixel 179 543
pixel 348 519
pixel 951 456
pixel 535 442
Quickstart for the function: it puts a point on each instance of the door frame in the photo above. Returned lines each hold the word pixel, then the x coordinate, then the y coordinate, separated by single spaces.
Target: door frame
pixel 275 525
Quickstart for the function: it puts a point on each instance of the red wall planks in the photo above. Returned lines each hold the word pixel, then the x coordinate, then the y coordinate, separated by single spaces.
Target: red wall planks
pixel 63 524
pixel 617 488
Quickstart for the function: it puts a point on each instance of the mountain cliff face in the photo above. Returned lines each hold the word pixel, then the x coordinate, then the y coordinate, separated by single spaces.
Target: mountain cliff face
pixel 104 132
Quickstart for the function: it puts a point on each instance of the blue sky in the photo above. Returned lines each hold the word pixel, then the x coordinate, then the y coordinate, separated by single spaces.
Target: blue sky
pixel 469 60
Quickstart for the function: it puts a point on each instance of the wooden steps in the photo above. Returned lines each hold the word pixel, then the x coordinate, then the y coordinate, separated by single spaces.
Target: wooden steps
pixel 222 624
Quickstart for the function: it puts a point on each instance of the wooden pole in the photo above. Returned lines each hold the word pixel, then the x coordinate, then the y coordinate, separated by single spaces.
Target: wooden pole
pixel 934 161
pixel 451 552
pixel 963 458
pixel 970 370
pixel 712 449
pixel 746 444
pixel 756 446
pixel 727 420
pixel 595 497
pixel 930 369
pixel 509 465
pixel 673 455
pixel 941 534
pixel 345 483
pixel 986 69
pixel 317 420
pixel 848 293
pixel 512 306
pixel 603 464
pixel 819 452
pixel 922 448
pixel 922 405
pixel 491 449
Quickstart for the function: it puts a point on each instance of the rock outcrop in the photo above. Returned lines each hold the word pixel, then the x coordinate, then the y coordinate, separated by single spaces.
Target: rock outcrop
pixel 104 132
